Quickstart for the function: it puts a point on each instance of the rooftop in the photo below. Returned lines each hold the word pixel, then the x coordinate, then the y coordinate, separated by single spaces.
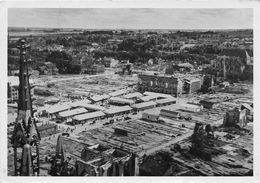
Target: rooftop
pixel 94 107
pixel 132 95
pixel 144 104
pixel 115 110
pixel 162 95
pixel 165 100
pixel 121 100
pixel 97 98
pixel 118 92
pixel 58 108
pixel 148 98
pixel 90 115
pixel 72 112
pixel 80 103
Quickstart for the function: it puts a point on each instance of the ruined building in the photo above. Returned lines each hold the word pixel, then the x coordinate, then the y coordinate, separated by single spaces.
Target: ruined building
pixel 202 141
pixel 95 160
pixel 161 84
pixel 233 64
pixel 174 85
pixel 235 117
pixel 25 137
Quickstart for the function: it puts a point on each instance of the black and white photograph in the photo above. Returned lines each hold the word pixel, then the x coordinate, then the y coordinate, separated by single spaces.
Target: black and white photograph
pixel 130 92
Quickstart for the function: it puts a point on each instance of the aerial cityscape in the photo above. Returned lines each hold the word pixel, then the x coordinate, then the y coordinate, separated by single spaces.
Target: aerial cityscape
pixel 130 101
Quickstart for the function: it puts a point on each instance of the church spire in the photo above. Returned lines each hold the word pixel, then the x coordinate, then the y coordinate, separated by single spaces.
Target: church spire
pixel 25 134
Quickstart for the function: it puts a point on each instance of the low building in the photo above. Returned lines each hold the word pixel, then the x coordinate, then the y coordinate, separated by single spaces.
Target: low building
pixel 67 115
pixel 169 113
pixel 80 103
pixel 150 117
pixel 190 107
pixel 55 109
pixel 88 116
pixel 134 95
pixel 197 104
pixel 118 110
pixel 98 98
pixel 165 101
pixel 149 98
pixel 78 95
pixel 91 107
pixel 144 106
pixel 47 130
pixel 118 93
pixel 159 95
pixel 120 101
pixel 52 101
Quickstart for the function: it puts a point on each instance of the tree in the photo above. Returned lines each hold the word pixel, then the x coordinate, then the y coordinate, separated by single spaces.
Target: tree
pixel 62 61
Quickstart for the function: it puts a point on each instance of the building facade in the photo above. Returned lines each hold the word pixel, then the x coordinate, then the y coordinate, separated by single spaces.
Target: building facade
pixel 161 84
pixel 13 87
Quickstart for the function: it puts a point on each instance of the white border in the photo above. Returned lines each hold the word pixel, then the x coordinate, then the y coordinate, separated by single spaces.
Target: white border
pixel 125 4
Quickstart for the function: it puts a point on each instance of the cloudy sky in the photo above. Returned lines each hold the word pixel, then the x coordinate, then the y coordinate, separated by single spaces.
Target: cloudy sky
pixel 132 18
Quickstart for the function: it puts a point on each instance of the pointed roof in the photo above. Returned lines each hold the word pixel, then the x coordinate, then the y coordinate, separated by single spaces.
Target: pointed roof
pixel 34 133
pixel 26 161
pixel 60 153
pixel 18 137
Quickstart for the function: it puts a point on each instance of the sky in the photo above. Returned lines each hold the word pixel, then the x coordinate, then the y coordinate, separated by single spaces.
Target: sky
pixel 142 18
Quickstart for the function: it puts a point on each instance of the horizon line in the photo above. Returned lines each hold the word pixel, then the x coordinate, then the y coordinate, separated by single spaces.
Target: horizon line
pixel 134 28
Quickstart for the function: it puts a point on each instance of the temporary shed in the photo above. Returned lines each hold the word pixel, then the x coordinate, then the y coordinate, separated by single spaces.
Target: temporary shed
pixel 159 95
pixel 88 116
pixel 117 110
pixel 73 112
pixel 133 95
pixel 80 103
pixel 144 105
pixel 190 107
pixel 150 116
pixel 118 93
pixel 93 107
pixel 169 113
pixel 58 108
pixel 118 100
pixel 166 101
pixel 149 97
pixel 97 98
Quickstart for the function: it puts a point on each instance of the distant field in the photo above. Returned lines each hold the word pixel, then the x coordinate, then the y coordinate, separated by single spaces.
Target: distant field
pixel 37 33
